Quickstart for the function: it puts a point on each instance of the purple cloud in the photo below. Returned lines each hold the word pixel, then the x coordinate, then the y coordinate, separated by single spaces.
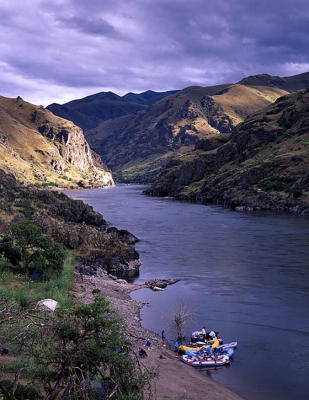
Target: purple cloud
pixel 60 50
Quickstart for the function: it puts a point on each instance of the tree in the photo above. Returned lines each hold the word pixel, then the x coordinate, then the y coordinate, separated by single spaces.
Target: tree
pixel 179 318
pixel 37 251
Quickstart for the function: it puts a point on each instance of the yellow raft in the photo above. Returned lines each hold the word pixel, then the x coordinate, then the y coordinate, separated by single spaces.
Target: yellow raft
pixel 215 344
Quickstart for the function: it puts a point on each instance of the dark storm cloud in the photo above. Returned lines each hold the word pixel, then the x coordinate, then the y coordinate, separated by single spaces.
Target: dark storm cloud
pixel 61 49
pixel 91 26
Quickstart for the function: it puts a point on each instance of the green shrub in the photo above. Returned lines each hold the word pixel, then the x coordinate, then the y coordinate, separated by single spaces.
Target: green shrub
pixel 283 184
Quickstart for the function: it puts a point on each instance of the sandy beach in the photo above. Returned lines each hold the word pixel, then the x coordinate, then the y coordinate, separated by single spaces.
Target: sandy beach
pixel 176 380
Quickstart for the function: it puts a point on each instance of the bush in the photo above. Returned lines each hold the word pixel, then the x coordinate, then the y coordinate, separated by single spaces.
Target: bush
pixel 296 192
pixel 30 250
pixel 283 184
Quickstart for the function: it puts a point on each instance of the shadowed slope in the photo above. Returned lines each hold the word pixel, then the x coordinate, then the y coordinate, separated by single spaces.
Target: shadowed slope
pixel 264 165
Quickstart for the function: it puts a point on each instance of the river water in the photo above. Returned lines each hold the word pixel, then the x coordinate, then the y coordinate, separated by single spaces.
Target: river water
pixel 244 275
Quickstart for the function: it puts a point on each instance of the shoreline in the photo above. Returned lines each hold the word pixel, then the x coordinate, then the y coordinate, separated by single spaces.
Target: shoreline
pixel 176 380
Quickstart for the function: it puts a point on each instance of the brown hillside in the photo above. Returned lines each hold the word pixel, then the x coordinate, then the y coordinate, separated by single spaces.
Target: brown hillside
pixel 37 146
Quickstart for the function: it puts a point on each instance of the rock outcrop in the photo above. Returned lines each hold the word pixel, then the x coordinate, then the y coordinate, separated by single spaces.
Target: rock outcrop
pixel 38 147
pixel 156 283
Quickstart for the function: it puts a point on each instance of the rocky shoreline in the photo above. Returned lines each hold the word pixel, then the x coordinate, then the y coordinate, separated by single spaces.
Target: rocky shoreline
pixel 251 206
pixel 176 380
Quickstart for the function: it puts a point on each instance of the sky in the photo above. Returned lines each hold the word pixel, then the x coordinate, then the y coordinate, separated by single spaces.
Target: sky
pixel 59 50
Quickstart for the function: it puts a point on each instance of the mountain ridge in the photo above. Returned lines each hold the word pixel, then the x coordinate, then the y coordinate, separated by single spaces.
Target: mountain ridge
pixel 88 112
pixel 137 145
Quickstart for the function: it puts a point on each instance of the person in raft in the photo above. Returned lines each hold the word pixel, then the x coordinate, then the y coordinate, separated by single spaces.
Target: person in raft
pixel 163 336
pixel 204 333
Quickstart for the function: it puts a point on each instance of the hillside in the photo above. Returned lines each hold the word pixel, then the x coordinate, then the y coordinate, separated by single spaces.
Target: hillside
pixel 38 147
pixel 90 111
pixel 136 147
pixel 263 165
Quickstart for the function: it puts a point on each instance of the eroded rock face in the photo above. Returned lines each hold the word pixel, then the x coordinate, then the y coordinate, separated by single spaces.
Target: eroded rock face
pixel 36 146
pixel 73 148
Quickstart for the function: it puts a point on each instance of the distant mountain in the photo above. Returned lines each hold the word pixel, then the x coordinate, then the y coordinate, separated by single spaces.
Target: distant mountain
pixel 136 146
pixel 147 98
pixel 137 134
pixel 264 164
pixel 38 147
pixel 90 111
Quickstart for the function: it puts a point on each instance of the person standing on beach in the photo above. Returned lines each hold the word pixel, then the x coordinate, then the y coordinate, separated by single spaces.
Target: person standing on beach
pixel 163 336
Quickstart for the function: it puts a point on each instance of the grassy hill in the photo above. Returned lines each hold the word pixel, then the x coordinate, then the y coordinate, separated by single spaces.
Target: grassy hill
pixel 38 147
pixel 264 164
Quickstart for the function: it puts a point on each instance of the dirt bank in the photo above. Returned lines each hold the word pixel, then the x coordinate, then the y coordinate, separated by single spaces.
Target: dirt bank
pixel 176 380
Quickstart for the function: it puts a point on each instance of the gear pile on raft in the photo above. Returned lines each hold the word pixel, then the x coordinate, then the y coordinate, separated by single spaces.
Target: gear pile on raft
pixel 207 350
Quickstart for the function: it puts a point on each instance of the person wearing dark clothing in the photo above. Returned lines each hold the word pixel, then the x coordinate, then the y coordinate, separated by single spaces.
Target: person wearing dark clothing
pixel 142 353
pixel 163 336
pixel 177 347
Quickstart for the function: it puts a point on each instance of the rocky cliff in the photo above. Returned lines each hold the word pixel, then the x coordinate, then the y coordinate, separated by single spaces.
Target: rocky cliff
pixel 263 165
pixel 38 147
pixel 136 147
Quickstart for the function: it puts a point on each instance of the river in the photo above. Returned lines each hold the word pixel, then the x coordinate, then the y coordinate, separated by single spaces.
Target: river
pixel 244 275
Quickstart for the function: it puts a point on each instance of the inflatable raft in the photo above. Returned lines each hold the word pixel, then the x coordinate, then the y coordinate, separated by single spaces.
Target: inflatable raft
pixel 225 346
pixel 205 361
pixel 214 343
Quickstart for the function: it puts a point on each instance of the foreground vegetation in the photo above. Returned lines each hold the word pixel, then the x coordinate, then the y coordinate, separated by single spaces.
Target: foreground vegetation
pixel 78 352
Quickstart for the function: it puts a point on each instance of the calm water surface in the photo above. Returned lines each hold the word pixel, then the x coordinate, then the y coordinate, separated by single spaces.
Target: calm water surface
pixel 245 275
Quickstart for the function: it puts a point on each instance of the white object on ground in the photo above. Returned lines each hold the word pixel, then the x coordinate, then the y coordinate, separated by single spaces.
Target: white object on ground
pixel 47 305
